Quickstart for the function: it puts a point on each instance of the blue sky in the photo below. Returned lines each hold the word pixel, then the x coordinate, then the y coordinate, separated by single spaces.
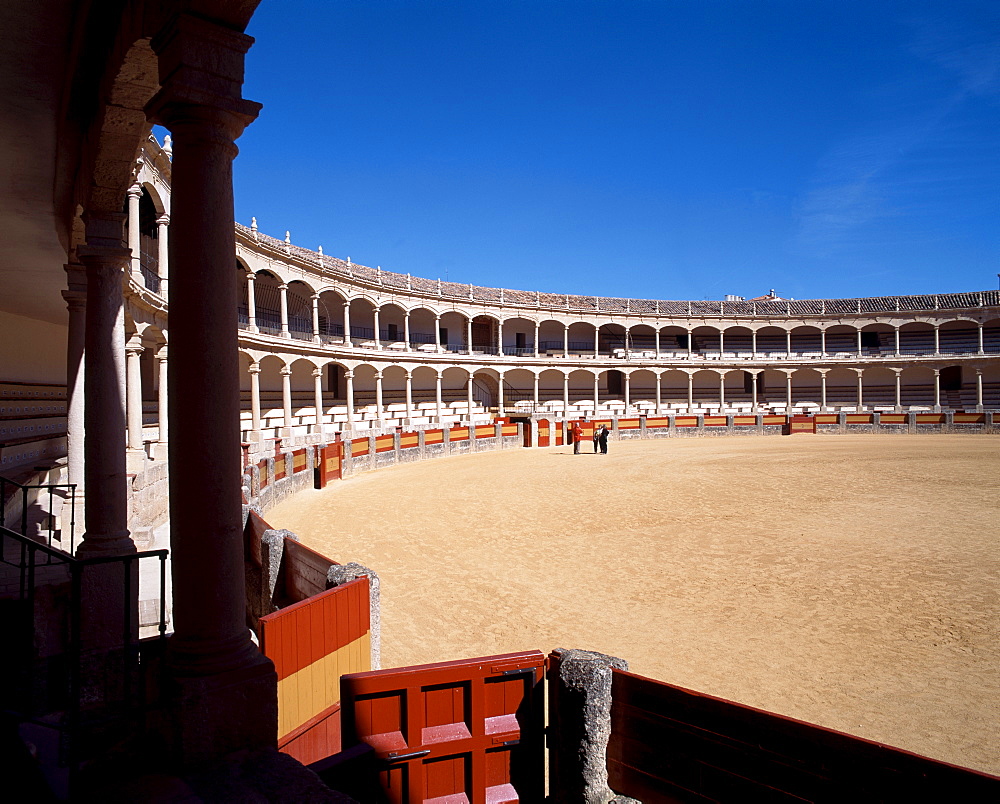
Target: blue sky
pixel 654 149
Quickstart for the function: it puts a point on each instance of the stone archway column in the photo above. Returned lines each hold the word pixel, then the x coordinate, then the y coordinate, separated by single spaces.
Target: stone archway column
pixel 788 391
pixel 753 344
pixel 251 302
pixel 437 334
pixel 937 339
pixel 409 396
pixel 378 397
pixel 315 318
pixel 980 350
pixel 406 331
pixel 722 391
pixel 859 342
pixel 753 391
pixel 255 397
pixel 536 338
pixel 722 342
pixel 597 342
pixel 597 392
pixel 690 344
pixel 283 305
pixel 76 334
pixel 318 397
pixel 628 340
pixel 822 343
pixel 788 344
pixel 378 335
pixel 438 397
pixel 347 324
pixel 134 194
pixel 565 341
pixel 861 400
pixel 536 392
pixel 469 399
pixel 659 390
pixel 822 388
pixel 657 340
pixel 690 389
pixel 133 385
pixel 286 401
pixel 224 690
pixel 979 390
pixel 349 397
pixel 499 338
pixel 163 251
pixel 566 395
pixel 896 336
pixel 104 374
pixel 899 389
pixel 162 402
pixel 500 408
pixel 937 390
pixel 628 391
pixel 468 338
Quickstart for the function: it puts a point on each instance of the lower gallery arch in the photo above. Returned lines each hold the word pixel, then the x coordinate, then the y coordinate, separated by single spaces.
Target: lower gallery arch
pixel 807 390
pixel 365 396
pixel 424 394
pixel 706 390
pixel 642 390
pixel 581 392
pixel 394 407
pixel 550 390
pixel 917 387
pixel 842 388
pixel 518 391
pixel 456 393
pixel 878 385
pixel 674 386
pixel 271 411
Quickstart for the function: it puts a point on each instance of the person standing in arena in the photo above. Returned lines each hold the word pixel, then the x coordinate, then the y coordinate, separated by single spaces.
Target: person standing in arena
pixel 597 439
pixel 603 439
pixel 577 436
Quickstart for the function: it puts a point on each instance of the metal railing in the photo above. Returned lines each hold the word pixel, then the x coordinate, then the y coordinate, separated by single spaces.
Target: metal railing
pixel 36 504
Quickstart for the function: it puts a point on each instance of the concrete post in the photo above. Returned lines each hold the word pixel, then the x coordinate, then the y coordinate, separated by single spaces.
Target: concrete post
pixel 580 726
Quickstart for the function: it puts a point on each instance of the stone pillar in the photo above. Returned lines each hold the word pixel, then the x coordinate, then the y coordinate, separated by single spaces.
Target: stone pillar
pixel 315 318
pixel 409 395
pixel 722 342
pixel 657 337
pixel 349 397
pixel 251 302
pixel 223 690
pixel 536 400
pixel 628 391
pixel 133 384
pixel 162 403
pixel 597 392
pixel 499 338
pixel 753 391
pixel 822 343
pixel 76 334
pixel 134 194
pixel 104 375
pixel 286 401
pixel 437 333
pixel 937 389
pixel 659 389
pixel 536 339
pixel 347 324
pixel 788 343
pixel 469 402
pixel 690 345
pixel 861 401
pixel 822 389
pixel 255 397
pixel 597 341
pixel 788 391
pixel 406 330
pixel 580 726
pixel 753 343
pixel 722 390
pixel 283 304
pixel 378 397
pixel 439 403
pixel 500 409
pixel 378 336
pixel 468 334
pixel 899 390
pixel 318 397
pixel 566 395
pixel 859 342
pixel 937 339
pixel 163 251
pixel 565 341
pixel 896 336
pixel 979 388
pixel 980 350
pixel 690 390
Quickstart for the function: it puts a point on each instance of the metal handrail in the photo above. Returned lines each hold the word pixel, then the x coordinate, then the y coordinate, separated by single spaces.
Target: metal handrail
pixel 24 489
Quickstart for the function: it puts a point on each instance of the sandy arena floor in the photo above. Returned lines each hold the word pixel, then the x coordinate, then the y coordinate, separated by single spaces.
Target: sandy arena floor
pixel 851 581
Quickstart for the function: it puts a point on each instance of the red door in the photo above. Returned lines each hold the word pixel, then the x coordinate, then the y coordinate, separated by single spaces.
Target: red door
pixel 465 732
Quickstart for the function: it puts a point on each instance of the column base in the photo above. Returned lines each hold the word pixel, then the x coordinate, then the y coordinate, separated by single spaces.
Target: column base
pixel 212 716
pixel 159 451
pixel 135 461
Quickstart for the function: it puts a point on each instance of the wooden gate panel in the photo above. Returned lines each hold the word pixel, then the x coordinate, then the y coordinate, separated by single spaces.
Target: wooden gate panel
pixel 465 731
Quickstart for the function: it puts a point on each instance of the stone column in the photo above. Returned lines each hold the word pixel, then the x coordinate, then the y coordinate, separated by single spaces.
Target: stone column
pixel 283 304
pixel 349 397
pixel 690 345
pixel 536 391
pixel 859 342
pixel 469 387
pixel 657 345
pixel 133 384
pixel 439 402
pixel 437 333
pixel 347 324
pixel 255 397
pixel 753 390
pixel 937 388
pixel 896 334
pixel 597 341
pixel 162 403
pixel 628 341
pixel 722 342
pixel 979 389
pixel 979 350
pixel 822 389
pixel 788 343
pixel 468 334
pixel 788 391
pixel 251 302
pixel 163 251
pixel 223 696
pixel 566 395
pixel 722 390
pixel 286 401
pixel 937 339
pixel 822 343
pixel 899 390
pixel 76 334
pixel 409 395
pixel 597 392
pixel 500 409
pixel 690 387
pixel 628 391
pixel 318 397
pixel 134 194
pixel 104 375
pixel 861 402
pixel 406 330
pixel 315 318
pixel 753 343
pixel 378 397
pixel 659 390
pixel 378 336
pixel 565 341
pixel 536 339
pixel 499 338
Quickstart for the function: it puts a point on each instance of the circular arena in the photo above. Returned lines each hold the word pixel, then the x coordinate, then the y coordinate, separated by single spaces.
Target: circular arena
pixel 847 581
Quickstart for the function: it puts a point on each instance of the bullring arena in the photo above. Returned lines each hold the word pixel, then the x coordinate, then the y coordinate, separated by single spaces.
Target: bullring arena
pixel 797 512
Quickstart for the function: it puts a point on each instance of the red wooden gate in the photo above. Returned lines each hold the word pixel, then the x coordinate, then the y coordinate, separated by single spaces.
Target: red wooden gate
pixel 464 731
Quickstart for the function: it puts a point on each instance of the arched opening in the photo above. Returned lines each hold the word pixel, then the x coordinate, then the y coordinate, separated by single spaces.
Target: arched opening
pixel 455 393
pixel 550 389
pixel 392 327
pixel 642 390
pixel 806 342
pixel 705 341
pixel 267 298
pixel 299 299
pixel 331 317
pixel 518 337
pixel 550 338
pixel 737 342
pixel 485 331
pixel 581 338
pixel 807 391
pixel 454 335
pixel 642 340
pixel 706 391
pixel 422 324
pixel 362 315
pixel 611 340
pixel 581 393
pixel 959 337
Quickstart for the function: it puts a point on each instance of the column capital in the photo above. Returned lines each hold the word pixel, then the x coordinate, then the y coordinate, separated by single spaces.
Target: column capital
pixel 283 286
pixel 409 375
pixel 315 297
pixel 317 373
pixel 163 219
pixel 285 371
pixel 349 374
pixel 133 349
pixel 378 375
pixel 254 368
pixel 135 191
pixel 251 276
pixel 937 372
pixel 76 300
pixel 161 354
pixel 979 372
pixel 201 77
